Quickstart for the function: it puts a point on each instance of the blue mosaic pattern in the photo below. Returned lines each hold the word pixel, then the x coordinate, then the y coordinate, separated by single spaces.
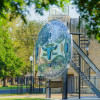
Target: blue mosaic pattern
pixel 53 31
pixel 53 50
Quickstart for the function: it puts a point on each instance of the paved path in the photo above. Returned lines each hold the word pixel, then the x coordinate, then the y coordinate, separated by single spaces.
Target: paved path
pixel 53 96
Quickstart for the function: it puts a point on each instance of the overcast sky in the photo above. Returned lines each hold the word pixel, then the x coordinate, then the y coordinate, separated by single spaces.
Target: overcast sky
pixel 35 16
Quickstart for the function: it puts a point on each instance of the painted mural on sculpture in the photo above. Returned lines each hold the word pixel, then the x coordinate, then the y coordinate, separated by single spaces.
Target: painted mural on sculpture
pixel 53 49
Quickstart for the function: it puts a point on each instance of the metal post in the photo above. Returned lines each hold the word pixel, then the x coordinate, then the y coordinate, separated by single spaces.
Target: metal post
pixel 70 26
pixel 39 84
pixel 33 66
pixel 17 85
pixel 79 61
pixel 68 10
pixel 79 68
pixel 76 83
pixel 95 81
pixel 21 82
pixel 26 84
pixel 31 79
pixel 48 89
pixel 89 72
pixel 89 66
pixel 65 85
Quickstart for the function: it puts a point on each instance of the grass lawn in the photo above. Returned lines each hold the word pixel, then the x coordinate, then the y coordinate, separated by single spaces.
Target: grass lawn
pixel 20 99
pixel 15 87
pixel 12 94
pixel 12 87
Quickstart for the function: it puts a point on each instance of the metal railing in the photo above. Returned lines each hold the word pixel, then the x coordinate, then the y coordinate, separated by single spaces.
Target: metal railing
pixel 87 67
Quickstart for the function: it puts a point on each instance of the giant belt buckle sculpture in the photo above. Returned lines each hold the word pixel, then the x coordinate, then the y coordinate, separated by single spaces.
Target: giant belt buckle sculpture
pixel 53 49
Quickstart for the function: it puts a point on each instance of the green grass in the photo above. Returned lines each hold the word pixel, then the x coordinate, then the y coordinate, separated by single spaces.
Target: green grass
pixel 12 87
pixel 15 87
pixel 17 94
pixel 12 94
pixel 20 99
pixel 7 94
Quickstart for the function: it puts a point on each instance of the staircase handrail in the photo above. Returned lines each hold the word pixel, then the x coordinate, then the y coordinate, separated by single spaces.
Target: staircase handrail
pixel 87 59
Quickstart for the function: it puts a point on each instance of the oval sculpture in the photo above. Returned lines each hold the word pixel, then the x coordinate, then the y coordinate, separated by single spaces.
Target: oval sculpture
pixel 53 49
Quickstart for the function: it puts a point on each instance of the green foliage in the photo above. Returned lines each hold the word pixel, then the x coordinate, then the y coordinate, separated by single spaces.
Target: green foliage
pixel 36 68
pixel 10 64
pixel 12 8
pixel 90 11
pixel 12 87
pixel 41 5
pixel 23 41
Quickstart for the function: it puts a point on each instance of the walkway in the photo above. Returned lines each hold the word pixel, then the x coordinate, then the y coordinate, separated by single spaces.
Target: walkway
pixel 54 96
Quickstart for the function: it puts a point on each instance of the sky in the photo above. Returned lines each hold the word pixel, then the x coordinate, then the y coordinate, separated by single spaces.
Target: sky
pixel 35 16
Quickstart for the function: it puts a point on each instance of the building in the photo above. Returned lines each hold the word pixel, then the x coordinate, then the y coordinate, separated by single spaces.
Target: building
pixel 90 47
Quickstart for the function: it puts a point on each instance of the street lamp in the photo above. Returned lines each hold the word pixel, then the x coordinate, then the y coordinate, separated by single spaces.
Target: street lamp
pixel 31 59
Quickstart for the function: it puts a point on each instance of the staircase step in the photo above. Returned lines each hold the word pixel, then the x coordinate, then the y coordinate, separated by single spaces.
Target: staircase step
pixel 84 43
pixel 87 81
pixel 83 47
pixel 84 36
pixel 84 86
pixel 84 40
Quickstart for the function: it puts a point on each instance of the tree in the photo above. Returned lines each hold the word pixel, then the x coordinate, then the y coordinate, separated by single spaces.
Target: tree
pixel 90 11
pixel 12 8
pixel 23 40
pixel 10 64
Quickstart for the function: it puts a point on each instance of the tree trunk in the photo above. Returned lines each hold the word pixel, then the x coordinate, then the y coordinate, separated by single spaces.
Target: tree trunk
pixel 35 78
pixel 4 82
pixel 0 81
pixel 13 81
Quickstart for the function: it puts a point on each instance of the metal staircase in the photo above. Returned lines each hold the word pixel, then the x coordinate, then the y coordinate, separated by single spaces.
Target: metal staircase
pixel 84 42
pixel 86 59
pixel 86 80
pixel 84 71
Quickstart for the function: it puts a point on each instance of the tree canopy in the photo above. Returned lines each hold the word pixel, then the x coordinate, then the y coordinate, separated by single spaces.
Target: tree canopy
pixel 10 64
pixel 12 8
pixel 23 40
pixel 88 9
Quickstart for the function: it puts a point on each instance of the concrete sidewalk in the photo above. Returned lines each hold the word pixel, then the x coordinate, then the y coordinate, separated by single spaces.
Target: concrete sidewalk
pixel 55 96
